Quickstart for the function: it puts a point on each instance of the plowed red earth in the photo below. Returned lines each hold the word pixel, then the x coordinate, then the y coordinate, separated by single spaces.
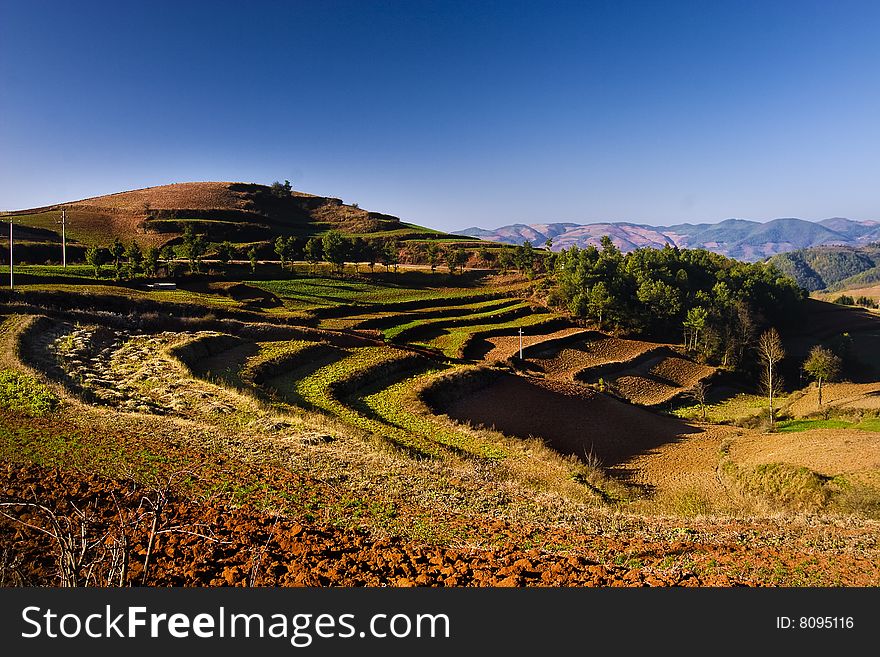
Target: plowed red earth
pixel 212 544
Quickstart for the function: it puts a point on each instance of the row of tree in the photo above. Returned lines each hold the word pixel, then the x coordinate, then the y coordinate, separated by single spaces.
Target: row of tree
pixel 865 302
pixel 332 247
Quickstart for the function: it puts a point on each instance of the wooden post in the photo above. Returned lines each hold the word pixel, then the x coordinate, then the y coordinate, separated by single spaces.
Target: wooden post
pixel 11 283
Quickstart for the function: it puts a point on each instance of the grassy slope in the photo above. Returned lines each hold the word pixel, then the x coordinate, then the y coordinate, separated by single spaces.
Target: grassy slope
pixel 236 212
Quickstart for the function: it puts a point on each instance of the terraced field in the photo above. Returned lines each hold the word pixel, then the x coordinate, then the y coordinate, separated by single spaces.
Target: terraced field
pixel 644 373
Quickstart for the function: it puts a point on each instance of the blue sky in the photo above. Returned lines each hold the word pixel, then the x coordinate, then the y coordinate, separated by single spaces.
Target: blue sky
pixel 453 114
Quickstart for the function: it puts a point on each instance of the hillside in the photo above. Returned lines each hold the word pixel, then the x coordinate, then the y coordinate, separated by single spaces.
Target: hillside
pixel 831 267
pixel 242 213
pixel 736 238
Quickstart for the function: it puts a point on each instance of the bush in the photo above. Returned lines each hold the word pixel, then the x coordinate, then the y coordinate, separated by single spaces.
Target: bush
pixel 24 394
pixel 281 190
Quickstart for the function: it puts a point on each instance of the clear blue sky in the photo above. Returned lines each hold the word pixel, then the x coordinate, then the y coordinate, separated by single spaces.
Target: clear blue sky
pixel 453 114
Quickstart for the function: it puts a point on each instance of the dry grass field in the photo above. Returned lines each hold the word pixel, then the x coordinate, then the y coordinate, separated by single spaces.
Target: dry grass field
pixel 387 418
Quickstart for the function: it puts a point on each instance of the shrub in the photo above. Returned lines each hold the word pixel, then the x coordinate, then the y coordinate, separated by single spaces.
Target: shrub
pixel 24 394
pixel 281 190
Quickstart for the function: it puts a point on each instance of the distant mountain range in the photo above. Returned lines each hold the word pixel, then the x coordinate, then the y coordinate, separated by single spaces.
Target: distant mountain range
pixel 736 238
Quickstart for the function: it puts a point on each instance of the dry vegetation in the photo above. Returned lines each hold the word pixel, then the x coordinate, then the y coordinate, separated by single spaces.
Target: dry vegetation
pixel 309 430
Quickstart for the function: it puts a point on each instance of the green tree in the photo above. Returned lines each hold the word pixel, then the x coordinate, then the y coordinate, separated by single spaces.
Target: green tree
pixel 599 301
pixel 169 257
pixel 281 190
pixel 486 256
pixel 371 254
pixel 524 257
pixel 281 249
pixel 314 251
pixel 117 250
pixel 225 252
pixel 357 253
pixel 661 298
pixel 336 249
pixel 96 257
pixel 135 257
pixel 194 247
pixel 151 261
pixel 390 254
pixel 694 325
pixel 252 257
pixel 506 261
pixel 822 365
pixel 433 254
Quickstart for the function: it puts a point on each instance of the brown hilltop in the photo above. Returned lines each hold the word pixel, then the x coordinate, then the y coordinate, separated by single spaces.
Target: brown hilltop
pixel 241 212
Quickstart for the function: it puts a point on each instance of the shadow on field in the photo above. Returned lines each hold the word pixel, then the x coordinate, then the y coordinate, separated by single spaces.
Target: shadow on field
pixel 571 419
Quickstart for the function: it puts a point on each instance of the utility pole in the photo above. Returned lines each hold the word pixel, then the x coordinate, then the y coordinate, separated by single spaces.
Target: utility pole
pixel 11 284
pixel 520 342
pixel 63 238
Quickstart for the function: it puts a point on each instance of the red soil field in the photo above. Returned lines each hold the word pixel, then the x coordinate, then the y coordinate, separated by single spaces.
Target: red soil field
pixel 221 545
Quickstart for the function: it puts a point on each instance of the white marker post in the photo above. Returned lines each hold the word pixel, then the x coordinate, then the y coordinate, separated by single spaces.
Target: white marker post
pixel 520 342
pixel 63 238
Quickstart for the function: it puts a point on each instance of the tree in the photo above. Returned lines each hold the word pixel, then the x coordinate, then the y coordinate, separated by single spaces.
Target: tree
pixel 449 256
pixel 432 252
pixel 357 253
pixel 314 251
pixel 822 365
pixel 117 250
pixel 524 257
pixel 336 249
pixel 486 256
pixel 599 301
pixel 697 392
pixel 281 190
pixel 169 256
pixel 194 247
pixel 252 256
pixel 662 299
pixel 771 352
pixel 506 260
pixel 225 251
pixel 390 254
pixel 151 261
pixel 371 253
pixel 694 325
pixel 96 257
pixel 135 257
pixel 281 249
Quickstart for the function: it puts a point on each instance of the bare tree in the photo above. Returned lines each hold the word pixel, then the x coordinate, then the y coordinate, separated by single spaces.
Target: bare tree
pixel 698 392
pixel 80 550
pixel 771 352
